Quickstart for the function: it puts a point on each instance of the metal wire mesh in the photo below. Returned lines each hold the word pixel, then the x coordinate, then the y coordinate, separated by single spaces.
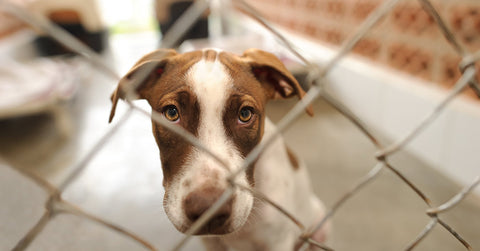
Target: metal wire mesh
pixel 317 74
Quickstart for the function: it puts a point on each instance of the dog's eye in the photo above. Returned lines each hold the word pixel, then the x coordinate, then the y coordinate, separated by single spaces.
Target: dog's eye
pixel 171 113
pixel 245 114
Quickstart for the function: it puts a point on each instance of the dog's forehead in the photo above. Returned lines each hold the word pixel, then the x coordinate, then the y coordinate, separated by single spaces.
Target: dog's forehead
pixel 218 76
pixel 211 85
pixel 207 55
pixel 207 70
pixel 217 90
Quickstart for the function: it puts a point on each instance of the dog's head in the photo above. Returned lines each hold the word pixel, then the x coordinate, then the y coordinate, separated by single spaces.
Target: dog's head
pixel 220 98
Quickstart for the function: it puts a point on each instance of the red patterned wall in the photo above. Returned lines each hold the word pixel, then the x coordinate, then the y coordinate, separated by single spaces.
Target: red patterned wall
pixel 408 38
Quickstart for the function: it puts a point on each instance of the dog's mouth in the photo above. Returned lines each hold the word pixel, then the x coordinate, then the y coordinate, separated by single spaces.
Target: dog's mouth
pixel 219 225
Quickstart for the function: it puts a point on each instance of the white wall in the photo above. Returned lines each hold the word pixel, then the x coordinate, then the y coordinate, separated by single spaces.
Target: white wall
pixel 395 103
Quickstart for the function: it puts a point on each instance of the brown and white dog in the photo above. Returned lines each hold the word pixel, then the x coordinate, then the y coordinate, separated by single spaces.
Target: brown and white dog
pixel 220 98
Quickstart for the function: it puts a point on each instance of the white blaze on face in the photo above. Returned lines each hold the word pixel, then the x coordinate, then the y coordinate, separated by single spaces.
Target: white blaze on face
pixel 211 85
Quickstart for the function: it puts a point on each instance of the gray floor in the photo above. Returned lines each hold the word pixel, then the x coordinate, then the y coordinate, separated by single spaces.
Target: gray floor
pixel 123 182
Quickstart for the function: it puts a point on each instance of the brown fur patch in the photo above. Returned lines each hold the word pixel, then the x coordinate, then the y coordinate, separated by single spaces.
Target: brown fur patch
pixel 210 55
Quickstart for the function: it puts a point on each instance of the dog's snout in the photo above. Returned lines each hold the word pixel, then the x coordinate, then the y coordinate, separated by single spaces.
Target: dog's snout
pixel 199 201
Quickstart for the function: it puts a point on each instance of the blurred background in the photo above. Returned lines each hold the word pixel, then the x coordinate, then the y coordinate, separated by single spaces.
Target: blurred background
pixel 54 108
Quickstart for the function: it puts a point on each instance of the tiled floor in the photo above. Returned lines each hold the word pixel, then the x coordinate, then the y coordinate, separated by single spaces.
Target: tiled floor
pixel 123 182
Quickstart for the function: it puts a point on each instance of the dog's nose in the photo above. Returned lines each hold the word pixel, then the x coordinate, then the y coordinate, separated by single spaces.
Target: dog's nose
pixel 200 200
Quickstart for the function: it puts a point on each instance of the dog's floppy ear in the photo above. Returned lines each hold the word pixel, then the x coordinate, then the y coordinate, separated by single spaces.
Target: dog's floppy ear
pixel 274 76
pixel 143 74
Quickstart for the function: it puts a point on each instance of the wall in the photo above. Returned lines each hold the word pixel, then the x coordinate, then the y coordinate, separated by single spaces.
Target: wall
pixel 407 40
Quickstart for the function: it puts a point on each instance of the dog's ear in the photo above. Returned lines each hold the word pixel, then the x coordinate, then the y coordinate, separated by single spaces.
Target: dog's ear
pixel 272 73
pixel 142 75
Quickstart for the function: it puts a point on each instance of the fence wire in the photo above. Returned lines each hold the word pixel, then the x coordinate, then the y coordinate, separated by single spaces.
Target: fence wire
pixel 56 205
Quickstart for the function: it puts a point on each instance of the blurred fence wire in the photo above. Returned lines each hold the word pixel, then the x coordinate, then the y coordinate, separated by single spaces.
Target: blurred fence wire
pixel 56 205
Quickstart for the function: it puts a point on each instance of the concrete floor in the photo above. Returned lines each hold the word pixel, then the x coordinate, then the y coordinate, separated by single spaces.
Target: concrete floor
pixel 123 182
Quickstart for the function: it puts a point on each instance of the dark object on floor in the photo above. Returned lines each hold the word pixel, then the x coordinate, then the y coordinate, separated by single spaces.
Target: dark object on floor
pixel 72 23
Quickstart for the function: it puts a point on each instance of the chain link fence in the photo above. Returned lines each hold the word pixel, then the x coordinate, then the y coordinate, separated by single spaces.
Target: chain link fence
pixel 316 79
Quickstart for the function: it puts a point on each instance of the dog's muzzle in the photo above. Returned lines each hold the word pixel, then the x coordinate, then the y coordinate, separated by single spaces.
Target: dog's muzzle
pixel 199 201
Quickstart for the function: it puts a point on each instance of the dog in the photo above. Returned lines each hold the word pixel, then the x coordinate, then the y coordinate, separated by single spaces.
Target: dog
pixel 220 98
